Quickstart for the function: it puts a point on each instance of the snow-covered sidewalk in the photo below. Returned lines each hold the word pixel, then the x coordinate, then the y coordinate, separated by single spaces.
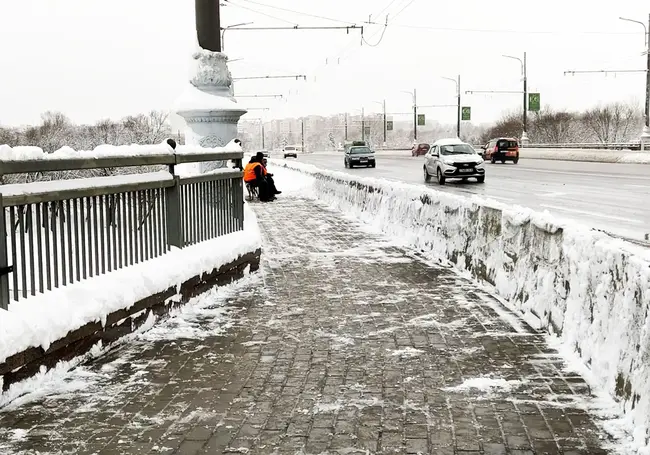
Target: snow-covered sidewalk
pixel 343 343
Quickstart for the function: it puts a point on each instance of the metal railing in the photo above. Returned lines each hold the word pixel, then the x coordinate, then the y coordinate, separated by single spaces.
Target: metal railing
pixel 58 232
pixel 634 146
pixel 590 146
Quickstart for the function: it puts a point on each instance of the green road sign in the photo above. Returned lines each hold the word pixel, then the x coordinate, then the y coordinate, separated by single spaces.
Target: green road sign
pixel 389 125
pixel 466 113
pixel 533 102
pixel 421 120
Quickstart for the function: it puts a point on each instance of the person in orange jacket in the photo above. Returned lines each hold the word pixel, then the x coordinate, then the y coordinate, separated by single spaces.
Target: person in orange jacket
pixel 269 177
pixel 255 175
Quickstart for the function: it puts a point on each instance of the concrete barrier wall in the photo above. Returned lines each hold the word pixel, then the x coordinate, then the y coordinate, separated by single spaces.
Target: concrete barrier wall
pixel 588 289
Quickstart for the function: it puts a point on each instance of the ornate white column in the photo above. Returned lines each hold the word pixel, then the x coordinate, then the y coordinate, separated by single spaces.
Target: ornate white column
pixel 208 105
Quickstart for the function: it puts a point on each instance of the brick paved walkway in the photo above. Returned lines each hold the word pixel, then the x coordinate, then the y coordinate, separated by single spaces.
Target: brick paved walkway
pixel 347 345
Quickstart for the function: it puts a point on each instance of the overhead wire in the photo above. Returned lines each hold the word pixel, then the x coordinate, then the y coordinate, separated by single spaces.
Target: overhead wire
pixel 316 16
pixel 261 13
pixel 385 8
pixel 383 30
pixel 345 49
pixel 519 32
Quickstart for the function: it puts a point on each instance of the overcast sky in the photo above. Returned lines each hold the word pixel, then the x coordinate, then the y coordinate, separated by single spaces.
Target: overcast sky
pixel 94 59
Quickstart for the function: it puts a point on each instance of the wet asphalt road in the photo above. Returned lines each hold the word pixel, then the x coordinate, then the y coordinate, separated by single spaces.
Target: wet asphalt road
pixel 611 197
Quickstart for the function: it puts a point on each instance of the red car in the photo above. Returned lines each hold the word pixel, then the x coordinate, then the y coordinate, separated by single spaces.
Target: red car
pixel 420 149
pixel 501 149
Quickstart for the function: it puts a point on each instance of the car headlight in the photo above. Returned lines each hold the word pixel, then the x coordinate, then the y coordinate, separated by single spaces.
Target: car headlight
pixel 480 163
pixel 447 161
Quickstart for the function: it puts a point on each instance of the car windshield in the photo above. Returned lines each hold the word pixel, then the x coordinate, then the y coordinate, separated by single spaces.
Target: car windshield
pixel 289 149
pixel 359 150
pixel 457 149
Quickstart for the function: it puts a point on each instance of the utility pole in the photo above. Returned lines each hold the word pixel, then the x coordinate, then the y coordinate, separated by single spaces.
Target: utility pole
pixel 383 106
pixel 524 135
pixel 262 122
pixel 302 133
pixel 346 126
pixel 647 82
pixel 363 125
pixel 384 123
pixel 458 115
pixel 524 72
pixel 415 116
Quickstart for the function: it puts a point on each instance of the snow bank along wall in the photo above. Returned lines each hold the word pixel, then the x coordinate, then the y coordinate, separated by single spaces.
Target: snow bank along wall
pixel 95 258
pixel 589 289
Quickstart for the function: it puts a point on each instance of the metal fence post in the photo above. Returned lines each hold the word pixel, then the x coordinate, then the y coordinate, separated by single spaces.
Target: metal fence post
pixel 5 269
pixel 239 202
pixel 174 213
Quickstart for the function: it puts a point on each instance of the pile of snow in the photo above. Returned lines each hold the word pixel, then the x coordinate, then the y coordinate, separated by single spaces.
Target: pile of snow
pixel 590 290
pixel 587 155
pixel 635 158
pixel 42 319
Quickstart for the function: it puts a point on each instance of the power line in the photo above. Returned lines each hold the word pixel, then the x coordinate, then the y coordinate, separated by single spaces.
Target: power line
pixel 521 32
pixel 383 31
pixel 296 12
pixel 260 12
pixel 402 10
pixel 385 8
pixel 380 38
pixel 317 69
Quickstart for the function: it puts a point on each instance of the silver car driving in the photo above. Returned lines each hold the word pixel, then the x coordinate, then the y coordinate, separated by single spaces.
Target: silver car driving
pixel 453 159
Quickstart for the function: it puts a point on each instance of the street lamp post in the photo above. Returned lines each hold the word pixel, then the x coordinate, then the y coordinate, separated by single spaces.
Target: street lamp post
pixel 645 136
pixel 458 116
pixel 383 104
pixel 415 113
pixel 524 134
pixel 223 31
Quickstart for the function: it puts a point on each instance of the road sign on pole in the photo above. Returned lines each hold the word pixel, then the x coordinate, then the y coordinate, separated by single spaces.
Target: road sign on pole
pixel 421 120
pixel 466 113
pixel 533 102
pixel 389 125
pixel 366 131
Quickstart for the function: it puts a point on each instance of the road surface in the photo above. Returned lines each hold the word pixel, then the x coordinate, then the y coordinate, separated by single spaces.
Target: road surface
pixel 610 197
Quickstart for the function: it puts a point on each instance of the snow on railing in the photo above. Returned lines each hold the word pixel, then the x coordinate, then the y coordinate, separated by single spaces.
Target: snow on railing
pixel 57 232
pixel 33 159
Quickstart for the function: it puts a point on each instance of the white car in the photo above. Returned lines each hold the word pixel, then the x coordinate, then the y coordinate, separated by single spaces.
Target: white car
pixel 453 159
pixel 292 151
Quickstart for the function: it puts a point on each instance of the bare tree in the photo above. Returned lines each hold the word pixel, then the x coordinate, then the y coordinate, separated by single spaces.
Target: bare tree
pixel 554 127
pixel 510 125
pixel 612 122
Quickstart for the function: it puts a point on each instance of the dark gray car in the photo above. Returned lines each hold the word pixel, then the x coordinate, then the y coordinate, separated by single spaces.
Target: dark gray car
pixel 359 156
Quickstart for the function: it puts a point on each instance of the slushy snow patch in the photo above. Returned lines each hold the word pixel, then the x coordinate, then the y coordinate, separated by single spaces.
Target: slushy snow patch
pixel 484 384
pixel 407 353
pixel 587 288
